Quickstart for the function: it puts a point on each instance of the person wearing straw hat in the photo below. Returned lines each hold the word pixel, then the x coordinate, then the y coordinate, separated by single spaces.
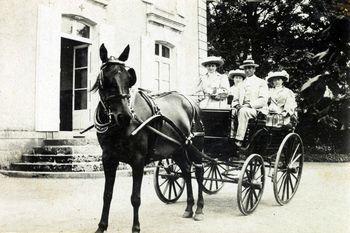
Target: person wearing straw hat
pixel 213 86
pixel 281 100
pixel 236 94
pixel 254 101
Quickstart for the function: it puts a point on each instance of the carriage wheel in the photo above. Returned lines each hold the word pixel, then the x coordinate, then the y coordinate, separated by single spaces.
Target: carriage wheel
pixel 288 168
pixel 251 184
pixel 168 181
pixel 212 177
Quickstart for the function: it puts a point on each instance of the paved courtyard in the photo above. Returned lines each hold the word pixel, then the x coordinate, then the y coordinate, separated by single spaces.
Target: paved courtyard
pixel 321 204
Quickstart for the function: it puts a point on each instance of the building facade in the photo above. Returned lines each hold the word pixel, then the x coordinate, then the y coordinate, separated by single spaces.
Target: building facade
pixel 50 59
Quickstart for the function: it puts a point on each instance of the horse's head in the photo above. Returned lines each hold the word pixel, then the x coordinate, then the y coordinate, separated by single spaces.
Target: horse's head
pixel 114 83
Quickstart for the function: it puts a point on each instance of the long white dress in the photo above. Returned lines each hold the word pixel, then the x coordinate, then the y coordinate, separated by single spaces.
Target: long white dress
pixel 214 87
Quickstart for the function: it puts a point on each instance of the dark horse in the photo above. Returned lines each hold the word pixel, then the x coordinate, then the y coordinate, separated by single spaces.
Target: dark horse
pixel 123 137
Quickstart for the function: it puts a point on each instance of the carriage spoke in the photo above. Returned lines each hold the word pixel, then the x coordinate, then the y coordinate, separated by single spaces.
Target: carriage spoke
pixel 165 180
pixel 212 177
pixel 294 160
pixel 251 199
pixel 295 151
pixel 288 178
pixel 169 193
pixel 296 178
pixel 282 182
pixel 248 199
pixel 206 180
pixel 246 193
pixel 166 188
pixel 223 168
pixel 284 188
pixel 255 195
pixel 216 177
pixel 177 183
pixel 282 175
pixel 220 174
pixel 175 193
pixel 291 185
pixel 258 178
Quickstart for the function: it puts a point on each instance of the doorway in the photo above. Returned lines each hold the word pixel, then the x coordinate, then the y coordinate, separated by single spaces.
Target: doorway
pixel 74 85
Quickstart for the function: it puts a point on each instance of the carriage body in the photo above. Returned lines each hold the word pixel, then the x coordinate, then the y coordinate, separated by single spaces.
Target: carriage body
pixel 261 139
pixel 277 149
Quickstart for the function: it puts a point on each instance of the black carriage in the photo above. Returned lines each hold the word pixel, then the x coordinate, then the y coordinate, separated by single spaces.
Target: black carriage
pixel 272 152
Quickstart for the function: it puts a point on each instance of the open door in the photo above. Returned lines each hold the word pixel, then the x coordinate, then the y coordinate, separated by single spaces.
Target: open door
pixel 80 87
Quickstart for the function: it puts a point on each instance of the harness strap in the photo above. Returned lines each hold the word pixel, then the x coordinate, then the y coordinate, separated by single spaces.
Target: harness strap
pixel 154 108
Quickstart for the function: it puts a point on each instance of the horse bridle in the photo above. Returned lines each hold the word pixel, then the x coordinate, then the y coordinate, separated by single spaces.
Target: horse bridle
pixel 103 127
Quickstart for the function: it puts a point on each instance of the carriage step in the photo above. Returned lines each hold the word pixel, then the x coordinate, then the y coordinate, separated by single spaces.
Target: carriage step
pixel 87 149
pixel 57 167
pixel 60 158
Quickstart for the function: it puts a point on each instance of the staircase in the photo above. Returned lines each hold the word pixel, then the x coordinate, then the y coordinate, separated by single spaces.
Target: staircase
pixel 60 158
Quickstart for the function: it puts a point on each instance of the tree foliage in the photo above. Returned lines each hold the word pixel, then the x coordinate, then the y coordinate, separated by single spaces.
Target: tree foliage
pixel 305 37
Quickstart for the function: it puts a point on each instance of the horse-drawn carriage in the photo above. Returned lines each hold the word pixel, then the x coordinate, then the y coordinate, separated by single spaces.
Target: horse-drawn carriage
pixel 278 149
pixel 169 127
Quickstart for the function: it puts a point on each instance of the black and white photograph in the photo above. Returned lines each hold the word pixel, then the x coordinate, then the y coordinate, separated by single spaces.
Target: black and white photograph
pixel 174 116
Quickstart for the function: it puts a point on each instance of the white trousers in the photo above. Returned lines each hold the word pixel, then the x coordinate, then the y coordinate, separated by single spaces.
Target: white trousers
pixel 244 114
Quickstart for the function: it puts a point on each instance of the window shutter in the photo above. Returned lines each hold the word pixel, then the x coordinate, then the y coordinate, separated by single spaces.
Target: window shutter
pixel 47 96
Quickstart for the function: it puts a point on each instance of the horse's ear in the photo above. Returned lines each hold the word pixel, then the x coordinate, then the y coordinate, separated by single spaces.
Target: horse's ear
pixel 103 53
pixel 132 77
pixel 125 54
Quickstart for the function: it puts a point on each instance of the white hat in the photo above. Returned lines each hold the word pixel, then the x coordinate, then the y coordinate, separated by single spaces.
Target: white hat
pixel 213 60
pixel 282 74
pixel 248 62
pixel 237 72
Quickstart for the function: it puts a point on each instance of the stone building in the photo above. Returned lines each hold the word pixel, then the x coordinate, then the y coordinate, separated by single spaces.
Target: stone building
pixel 50 59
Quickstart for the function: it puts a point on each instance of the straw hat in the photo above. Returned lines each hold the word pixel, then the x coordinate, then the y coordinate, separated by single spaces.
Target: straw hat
pixel 282 74
pixel 237 72
pixel 213 60
pixel 248 62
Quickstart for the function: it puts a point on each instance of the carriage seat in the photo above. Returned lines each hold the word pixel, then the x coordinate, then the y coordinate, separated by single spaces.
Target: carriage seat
pixel 259 120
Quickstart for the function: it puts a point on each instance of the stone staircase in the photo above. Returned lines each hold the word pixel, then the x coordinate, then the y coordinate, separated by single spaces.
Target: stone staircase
pixel 60 158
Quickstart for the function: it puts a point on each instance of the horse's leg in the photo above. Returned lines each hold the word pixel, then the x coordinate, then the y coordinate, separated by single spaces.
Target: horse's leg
pixel 199 171
pixel 110 172
pixel 137 175
pixel 185 167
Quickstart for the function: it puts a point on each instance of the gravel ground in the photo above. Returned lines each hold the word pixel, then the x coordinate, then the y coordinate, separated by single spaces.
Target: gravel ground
pixel 321 204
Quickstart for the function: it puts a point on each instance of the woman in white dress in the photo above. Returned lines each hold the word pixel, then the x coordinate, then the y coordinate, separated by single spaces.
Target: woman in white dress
pixel 281 102
pixel 213 86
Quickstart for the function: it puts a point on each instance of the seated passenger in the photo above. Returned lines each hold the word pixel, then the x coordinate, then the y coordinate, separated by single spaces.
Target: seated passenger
pixel 236 94
pixel 213 86
pixel 254 101
pixel 281 100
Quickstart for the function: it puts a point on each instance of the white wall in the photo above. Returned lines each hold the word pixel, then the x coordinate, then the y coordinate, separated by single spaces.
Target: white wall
pixel 120 23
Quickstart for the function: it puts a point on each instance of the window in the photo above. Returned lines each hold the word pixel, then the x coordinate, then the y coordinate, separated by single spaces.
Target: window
pixel 80 78
pixel 163 67
pixel 75 27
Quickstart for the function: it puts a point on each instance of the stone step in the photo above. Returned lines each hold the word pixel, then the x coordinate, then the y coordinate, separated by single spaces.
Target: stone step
pixel 70 142
pixel 97 174
pixel 60 158
pixel 87 150
pixel 57 167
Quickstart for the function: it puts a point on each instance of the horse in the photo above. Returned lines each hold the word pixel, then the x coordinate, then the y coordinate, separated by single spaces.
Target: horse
pixel 124 132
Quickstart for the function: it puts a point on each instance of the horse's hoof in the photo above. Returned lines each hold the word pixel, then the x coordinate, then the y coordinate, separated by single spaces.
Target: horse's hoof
pixel 187 214
pixel 135 230
pixel 198 217
pixel 99 230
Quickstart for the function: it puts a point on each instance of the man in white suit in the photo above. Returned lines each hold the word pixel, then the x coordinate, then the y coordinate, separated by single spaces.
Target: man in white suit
pixel 254 101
